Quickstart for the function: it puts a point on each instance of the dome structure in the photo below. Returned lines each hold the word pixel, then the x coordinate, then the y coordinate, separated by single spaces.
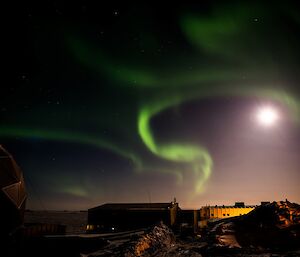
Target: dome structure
pixel 12 194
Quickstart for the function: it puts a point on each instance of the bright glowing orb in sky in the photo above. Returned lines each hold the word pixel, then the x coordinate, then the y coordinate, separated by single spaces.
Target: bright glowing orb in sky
pixel 267 116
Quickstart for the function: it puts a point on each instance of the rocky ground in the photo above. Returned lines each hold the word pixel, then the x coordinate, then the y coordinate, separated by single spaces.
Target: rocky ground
pixel 158 241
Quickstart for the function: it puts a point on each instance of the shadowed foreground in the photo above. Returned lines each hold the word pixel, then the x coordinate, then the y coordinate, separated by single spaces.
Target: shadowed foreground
pixel 269 230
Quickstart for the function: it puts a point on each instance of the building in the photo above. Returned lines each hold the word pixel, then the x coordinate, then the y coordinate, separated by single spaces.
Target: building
pixel 210 213
pixel 12 196
pixel 187 220
pixel 113 217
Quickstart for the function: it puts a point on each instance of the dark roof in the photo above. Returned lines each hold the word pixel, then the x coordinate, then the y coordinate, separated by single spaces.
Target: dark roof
pixel 133 206
pixel 230 206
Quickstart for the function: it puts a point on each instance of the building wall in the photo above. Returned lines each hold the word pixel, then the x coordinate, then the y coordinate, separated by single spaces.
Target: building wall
pixel 208 213
pixel 173 214
pixel 110 220
pixel 220 212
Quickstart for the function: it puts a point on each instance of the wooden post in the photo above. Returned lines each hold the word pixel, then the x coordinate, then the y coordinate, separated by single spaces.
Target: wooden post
pixel 195 221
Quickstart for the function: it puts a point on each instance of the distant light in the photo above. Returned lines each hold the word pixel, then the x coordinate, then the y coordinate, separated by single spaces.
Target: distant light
pixel 267 116
pixel 112 228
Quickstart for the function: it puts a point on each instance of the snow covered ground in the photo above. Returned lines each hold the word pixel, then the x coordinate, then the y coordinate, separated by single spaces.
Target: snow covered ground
pixel 75 221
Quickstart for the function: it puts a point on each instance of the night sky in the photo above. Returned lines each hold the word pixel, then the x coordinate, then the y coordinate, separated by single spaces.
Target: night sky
pixel 144 103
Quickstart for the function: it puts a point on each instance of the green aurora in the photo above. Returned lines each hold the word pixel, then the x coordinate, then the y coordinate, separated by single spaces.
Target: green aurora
pixel 232 59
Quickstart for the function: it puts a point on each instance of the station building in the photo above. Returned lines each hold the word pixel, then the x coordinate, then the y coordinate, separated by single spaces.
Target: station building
pixel 211 213
pixel 117 217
